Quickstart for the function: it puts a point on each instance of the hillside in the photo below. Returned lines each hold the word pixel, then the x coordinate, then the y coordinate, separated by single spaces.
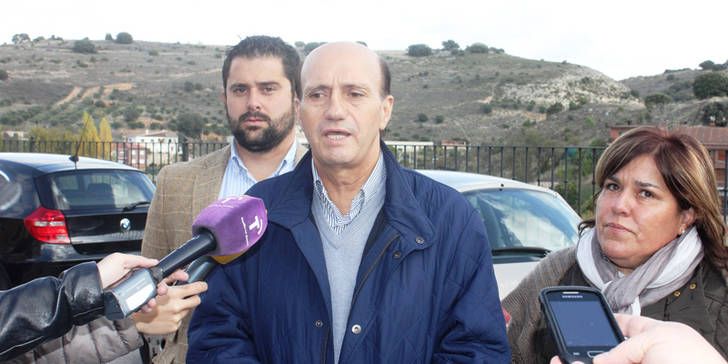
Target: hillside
pixel 159 85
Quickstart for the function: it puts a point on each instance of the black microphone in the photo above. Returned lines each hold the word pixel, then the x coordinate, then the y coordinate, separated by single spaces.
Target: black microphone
pixel 223 230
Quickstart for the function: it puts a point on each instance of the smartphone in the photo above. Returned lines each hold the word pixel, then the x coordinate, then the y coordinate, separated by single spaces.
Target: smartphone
pixel 581 322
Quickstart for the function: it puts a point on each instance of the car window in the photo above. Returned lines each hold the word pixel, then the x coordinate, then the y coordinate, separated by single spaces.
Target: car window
pixel 82 189
pixel 522 218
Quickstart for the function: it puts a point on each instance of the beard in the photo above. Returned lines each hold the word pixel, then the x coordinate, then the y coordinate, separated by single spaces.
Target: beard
pixel 269 138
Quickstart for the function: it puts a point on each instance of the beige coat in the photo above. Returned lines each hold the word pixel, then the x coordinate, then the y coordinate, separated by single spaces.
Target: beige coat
pixel 183 191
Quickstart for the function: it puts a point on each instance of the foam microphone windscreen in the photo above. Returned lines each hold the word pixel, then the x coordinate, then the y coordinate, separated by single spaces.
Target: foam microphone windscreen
pixel 237 223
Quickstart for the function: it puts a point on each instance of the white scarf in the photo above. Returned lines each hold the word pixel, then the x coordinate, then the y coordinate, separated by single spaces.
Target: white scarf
pixel 665 271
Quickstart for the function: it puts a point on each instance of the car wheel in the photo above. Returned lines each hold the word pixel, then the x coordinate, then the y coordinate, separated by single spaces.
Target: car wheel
pixel 4 279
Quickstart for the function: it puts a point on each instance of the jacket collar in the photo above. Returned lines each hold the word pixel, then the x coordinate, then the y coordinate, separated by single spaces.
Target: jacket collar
pixel 402 210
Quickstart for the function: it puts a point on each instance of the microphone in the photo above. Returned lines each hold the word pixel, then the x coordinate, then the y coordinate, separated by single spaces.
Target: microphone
pixel 224 230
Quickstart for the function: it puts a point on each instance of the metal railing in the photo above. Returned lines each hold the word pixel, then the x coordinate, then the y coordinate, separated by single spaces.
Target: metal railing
pixel 568 170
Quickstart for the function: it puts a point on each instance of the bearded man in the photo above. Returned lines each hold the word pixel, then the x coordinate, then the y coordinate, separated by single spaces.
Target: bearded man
pixel 261 82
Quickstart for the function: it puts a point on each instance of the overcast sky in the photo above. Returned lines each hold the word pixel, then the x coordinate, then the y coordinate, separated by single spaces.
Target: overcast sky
pixel 620 38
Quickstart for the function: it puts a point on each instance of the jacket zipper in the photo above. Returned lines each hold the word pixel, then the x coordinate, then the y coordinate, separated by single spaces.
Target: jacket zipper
pixel 369 271
pixel 358 288
pixel 323 351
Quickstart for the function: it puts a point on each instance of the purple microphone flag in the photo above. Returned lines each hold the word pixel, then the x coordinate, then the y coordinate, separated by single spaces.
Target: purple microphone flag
pixel 237 223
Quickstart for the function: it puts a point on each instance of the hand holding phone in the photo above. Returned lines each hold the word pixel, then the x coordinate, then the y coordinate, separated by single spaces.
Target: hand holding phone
pixel 581 322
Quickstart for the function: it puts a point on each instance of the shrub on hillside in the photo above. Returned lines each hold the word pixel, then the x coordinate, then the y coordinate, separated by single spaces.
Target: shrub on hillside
pixel 450 45
pixel 421 117
pixel 486 109
pixel 657 99
pixel 3 75
pixel 419 50
pixel 710 84
pixel 124 38
pixel 715 113
pixel 84 46
pixel 477 48
pixel 131 113
pixel 556 108
pixel 439 119
pixel 707 65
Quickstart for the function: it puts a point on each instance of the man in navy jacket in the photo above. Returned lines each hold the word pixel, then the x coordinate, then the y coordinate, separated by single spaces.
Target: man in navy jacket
pixel 363 261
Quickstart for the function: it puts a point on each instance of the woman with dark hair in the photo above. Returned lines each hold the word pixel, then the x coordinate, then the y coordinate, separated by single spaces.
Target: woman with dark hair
pixel 655 247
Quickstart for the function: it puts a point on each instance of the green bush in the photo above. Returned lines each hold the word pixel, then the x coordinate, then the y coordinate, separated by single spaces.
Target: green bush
pixel 658 99
pixel 707 65
pixel 131 113
pixel 124 38
pixel 450 45
pixel 710 84
pixel 419 50
pixel 3 75
pixel 84 46
pixel 439 119
pixel 421 117
pixel 556 108
pixel 715 113
pixel 486 109
pixel 477 48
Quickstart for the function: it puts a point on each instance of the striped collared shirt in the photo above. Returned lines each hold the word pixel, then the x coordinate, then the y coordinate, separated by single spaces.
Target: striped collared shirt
pixel 237 179
pixel 336 221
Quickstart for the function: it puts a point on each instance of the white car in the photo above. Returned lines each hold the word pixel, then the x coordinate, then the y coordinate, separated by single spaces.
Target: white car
pixel 524 222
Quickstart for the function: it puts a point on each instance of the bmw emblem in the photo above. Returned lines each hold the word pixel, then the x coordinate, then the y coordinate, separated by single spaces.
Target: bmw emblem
pixel 125 224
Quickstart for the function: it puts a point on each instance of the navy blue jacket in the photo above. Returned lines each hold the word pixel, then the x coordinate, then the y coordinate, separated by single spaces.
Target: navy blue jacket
pixel 425 289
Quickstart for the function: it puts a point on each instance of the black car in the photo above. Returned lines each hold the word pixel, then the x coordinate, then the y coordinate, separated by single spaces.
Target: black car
pixel 55 213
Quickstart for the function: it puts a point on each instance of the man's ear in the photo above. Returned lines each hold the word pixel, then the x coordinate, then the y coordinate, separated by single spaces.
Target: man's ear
pixel 224 99
pixel 387 105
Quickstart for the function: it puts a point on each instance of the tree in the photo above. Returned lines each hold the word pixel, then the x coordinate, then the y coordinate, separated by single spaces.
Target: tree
pixel 105 138
pixel 3 75
pixel 450 45
pixel 84 46
pixel 421 117
pixel 707 65
pixel 108 37
pixel 190 124
pixel 477 48
pixel 124 38
pixel 715 113
pixel 131 113
pixel 419 50
pixel 89 137
pixel 556 108
pixel 710 84
pixel 657 99
pixel 20 38
pixel 299 44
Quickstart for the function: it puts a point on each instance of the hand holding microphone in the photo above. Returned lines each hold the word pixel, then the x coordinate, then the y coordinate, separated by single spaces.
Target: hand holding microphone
pixel 224 230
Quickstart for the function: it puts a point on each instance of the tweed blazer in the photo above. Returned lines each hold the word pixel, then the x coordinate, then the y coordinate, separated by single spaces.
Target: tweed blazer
pixel 183 191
